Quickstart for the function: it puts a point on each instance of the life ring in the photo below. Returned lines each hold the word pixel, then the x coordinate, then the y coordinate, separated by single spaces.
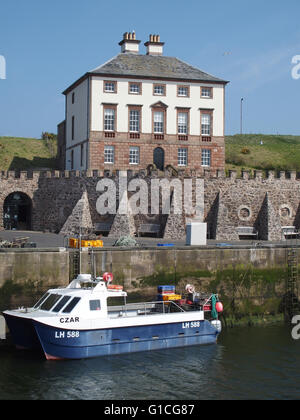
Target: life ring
pixel 108 277
pixel 115 287
pixel 190 288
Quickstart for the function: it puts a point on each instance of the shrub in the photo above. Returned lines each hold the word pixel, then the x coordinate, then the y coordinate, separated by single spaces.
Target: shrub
pixel 245 151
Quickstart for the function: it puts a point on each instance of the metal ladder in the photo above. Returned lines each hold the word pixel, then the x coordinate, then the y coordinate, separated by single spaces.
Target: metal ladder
pixel 291 292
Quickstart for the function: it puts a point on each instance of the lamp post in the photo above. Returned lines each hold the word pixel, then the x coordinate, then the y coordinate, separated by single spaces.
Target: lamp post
pixel 242 100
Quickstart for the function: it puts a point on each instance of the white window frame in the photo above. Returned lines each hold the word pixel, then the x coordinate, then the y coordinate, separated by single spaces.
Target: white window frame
pixel 134 120
pixel 182 156
pixel 183 123
pixel 134 155
pixel 159 126
pixel 109 119
pixel 183 91
pixel 135 88
pixel 109 87
pixel 205 90
pixel 205 126
pixel 159 90
pixel 206 157
pixel 109 155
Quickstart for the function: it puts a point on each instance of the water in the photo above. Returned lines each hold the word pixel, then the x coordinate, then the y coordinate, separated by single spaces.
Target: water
pixel 247 363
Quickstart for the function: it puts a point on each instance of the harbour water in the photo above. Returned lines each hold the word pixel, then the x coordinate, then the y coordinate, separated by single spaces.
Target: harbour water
pixel 247 363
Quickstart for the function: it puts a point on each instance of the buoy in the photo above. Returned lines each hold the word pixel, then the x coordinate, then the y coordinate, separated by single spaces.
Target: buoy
pixel 219 307
pixel 108 277
pixel 190 288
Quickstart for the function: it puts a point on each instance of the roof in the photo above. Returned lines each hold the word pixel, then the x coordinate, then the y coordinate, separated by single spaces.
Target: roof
pixel 151 67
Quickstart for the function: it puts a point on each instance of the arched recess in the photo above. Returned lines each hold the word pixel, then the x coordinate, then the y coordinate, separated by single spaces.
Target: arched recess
pixel 17 212
pixel 159 158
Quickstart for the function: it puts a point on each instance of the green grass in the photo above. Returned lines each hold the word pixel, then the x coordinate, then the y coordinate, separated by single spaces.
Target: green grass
pixel 278 152
pixel 26 153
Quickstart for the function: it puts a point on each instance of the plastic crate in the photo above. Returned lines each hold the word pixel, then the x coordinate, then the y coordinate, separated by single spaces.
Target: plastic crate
pixel 165 289
pixel 167 298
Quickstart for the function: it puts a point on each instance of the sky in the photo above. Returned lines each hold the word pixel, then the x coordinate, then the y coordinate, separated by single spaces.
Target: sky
pixel 48 45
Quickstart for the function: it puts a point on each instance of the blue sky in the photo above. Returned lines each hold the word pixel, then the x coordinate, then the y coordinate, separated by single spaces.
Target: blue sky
pixel 48 45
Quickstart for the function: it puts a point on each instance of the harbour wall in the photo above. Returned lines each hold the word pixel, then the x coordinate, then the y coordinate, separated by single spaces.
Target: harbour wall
pixel 250 281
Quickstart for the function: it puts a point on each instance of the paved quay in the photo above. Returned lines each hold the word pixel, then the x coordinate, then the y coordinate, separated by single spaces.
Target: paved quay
pixel 52 240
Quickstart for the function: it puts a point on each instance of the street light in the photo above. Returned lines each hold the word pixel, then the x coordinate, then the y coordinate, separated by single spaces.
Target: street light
pixel 242 100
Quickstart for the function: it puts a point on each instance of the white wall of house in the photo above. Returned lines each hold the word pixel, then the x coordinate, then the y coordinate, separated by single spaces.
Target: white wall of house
pixel 122 98
pixel 80 111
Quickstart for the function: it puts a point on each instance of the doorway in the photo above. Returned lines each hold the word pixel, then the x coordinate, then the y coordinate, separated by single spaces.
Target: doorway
pixel 159 158
pixel 17 211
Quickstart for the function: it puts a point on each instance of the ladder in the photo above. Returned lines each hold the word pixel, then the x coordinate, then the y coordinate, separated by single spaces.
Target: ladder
pixel 291 287
pixel 75 266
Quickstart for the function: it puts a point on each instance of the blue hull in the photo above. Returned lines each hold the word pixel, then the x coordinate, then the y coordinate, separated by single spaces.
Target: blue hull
pixel 22 332
pixel 68 344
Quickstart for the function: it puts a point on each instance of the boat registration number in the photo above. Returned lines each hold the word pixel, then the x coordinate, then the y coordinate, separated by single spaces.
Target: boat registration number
pixel 67 334
pixel 193 324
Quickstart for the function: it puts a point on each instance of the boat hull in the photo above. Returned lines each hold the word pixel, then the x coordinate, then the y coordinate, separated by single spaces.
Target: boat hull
pixel 70 344
pixel 22 332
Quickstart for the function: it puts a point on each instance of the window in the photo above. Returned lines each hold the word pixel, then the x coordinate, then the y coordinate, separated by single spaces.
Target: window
pixel 159 90
pixel 73 98
pixel 159 119
pixel 109 119
pixel 61 304
pixel 182 157
pixel 206 124
pixel 72 160
pixel 206 92
pixel 183 91
pixel 38 304
pixel 134 155
pixel 110 87
pixel 73 128
pixel 134 121
pixel 50 302
pixel 183 123
pixel 69 308
pixel 135 88
pixel 81 154
pixel 95 305
pixel 206 157
pixel 109 154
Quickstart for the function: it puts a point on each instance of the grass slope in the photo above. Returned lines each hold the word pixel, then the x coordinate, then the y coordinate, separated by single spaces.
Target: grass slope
pixel 25 153
pixel 277 152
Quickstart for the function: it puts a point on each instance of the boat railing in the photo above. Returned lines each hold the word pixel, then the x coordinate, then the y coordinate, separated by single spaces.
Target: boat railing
pixel 149 308
pixel 210 299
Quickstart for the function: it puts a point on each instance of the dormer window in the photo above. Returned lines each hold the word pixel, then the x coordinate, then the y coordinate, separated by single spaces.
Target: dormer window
pixel 110 87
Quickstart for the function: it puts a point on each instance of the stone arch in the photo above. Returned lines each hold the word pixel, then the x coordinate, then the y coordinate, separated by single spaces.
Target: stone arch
pixel 17 211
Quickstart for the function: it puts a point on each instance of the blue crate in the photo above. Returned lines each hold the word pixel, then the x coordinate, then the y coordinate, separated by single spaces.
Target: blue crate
pixel 162 289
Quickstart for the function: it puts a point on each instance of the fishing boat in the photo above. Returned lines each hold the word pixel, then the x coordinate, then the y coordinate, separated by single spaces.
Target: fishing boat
pixel 78 322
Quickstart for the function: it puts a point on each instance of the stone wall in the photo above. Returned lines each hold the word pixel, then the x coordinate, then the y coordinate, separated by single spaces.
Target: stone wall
pixel 264 201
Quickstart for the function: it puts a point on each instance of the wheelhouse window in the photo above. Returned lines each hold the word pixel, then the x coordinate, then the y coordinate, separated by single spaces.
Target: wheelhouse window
pixel 50 302
pixel 182 157
pixel 61 304
pixel 134 155
pixel 69 308
pixel 109 154
pixel 159 122
pixel 183 123
pixel 135 88
pixel 159 90
pixel 206 92
pixel 206 157
pixel 109 119
pixel 183 91
pixel 110 87
pixel 95 305
pixel 206 124
pixel 43 298
pixel 134 121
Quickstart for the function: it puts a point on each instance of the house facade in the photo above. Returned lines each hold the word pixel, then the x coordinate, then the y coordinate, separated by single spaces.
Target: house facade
pixel 141 109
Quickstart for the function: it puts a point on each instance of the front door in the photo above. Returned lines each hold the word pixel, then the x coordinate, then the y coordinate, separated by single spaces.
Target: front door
pixel 159 158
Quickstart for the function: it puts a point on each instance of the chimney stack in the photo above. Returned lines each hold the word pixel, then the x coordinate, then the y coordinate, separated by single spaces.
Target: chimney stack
pixel 129 43
pixel 154 46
